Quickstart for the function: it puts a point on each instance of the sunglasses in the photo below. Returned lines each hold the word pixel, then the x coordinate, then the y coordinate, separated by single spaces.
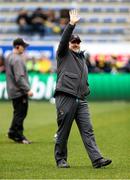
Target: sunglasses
pixel 75 42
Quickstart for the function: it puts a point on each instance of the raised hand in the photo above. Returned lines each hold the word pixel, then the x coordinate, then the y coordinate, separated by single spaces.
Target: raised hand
pixel 74 16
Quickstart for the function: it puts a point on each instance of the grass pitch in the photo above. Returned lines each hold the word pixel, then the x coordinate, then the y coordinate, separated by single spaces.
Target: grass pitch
pixel 111 121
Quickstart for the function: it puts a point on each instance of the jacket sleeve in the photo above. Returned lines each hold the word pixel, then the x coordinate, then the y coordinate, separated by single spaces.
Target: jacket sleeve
pixel 20 76
pixel 1 61
pixel 64 42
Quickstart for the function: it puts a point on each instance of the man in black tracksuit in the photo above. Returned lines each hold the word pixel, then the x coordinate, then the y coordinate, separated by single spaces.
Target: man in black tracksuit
pixel 71 90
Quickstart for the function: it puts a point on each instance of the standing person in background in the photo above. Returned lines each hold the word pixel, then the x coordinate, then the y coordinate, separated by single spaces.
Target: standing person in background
pixel 18 90
pixel 23 21
pixel 71 91
pixel 37 20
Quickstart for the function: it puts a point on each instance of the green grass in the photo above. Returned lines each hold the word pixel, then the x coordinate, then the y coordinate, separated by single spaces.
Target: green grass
pixel 35 161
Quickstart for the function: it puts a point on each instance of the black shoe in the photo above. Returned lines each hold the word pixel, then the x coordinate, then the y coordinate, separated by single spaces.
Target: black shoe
pixel 101 163
pixel 62 164
pixel 14 137
pixel 19 139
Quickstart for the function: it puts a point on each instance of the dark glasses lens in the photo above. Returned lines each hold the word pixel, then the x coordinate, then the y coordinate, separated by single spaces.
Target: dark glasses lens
pixel 75 42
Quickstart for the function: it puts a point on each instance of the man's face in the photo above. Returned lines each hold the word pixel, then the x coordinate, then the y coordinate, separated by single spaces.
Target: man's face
pixel 21 49
pixel 74 45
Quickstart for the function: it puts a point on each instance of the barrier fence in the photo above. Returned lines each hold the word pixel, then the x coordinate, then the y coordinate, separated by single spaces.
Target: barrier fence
pixel 102 86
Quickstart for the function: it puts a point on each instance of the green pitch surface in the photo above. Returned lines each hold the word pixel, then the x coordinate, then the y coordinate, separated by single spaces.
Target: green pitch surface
pixel 111 121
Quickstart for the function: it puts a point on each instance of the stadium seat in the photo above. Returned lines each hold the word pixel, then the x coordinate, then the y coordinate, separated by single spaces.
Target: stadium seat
pixel 121 20
pixel 124 9
pixel 94 20
pixel 95 14
pixel 107 20
pixel 110 9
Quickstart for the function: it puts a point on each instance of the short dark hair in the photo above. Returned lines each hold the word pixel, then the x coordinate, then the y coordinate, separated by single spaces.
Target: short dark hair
pixel 20 41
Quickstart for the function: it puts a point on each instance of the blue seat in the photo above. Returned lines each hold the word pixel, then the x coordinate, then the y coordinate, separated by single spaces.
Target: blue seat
pixel 91 31
pixel 97 9
pixel 107 20
pixel 124 9
pixel 105 30
pixel 17 8
pixel 84 9
pixel 119 30
pixel 121 20
pixel 82 20
pixel 79 30
pixel 2 19
pixel 112 0
pixel 10 29
pixel 110 9
pixel 13 19
pixel 5 9
pixel 128 1
pixel 31 8
pixel 93 20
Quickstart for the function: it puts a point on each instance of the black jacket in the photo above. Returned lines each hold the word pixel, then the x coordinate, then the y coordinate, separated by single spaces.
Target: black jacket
pixel 72 71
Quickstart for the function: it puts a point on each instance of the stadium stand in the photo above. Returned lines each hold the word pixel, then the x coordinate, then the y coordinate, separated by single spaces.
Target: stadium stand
pixel 101 20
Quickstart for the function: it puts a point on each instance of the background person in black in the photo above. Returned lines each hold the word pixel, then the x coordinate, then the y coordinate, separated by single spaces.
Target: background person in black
pixel 71 90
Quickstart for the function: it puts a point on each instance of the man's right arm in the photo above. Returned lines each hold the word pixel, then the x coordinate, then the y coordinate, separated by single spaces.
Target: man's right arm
pixel 64 43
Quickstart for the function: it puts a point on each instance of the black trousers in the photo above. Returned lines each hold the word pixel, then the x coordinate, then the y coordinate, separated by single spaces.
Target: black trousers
pixel 68 109
pixel 20 107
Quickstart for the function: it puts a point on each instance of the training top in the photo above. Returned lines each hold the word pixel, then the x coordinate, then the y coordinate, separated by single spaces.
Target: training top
pixel 16 76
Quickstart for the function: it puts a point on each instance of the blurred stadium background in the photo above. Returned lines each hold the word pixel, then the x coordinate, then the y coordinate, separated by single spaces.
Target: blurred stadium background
pixel 105 32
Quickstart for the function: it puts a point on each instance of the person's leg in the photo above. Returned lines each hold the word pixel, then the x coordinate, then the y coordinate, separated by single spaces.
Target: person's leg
pixel 66 107
pixel 86 130
pixel 20 106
